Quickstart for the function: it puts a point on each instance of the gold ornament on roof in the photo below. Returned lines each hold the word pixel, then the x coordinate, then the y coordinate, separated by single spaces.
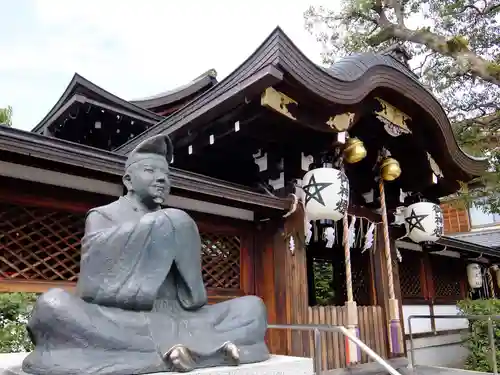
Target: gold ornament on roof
pixel 394 120
pixel 277 101
pixel 341 122
pixel 354 151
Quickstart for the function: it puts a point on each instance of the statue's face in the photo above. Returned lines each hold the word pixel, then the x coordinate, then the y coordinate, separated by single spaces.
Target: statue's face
pixel 148 180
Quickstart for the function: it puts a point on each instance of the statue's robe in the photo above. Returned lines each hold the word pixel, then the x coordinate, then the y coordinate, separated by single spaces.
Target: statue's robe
pixel 140 292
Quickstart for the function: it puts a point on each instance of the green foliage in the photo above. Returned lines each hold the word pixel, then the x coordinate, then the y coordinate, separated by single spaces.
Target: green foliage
pixel 480 356
pixel 323 279
pixel 456 54
pixel 14 313
pixel 6 116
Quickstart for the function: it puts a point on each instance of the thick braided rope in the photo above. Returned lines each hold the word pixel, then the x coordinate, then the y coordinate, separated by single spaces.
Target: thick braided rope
pixel 387 244
pixel 490 281
pixel 347 254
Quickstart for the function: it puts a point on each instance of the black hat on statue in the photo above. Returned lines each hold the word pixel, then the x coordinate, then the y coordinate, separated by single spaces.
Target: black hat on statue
pixel 157 145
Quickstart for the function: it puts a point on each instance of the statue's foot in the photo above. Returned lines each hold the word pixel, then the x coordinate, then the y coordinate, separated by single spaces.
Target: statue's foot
pixel 232 352
pixel 180 358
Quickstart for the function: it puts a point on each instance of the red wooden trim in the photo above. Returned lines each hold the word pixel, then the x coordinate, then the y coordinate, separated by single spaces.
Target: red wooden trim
pixel 30 286
pixel 44 202
pixel 423 279
pixel 224 293
pixel 429 275
pixel 247 264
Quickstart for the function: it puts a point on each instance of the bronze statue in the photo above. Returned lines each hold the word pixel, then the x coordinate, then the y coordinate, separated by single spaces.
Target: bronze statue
pixel 140 304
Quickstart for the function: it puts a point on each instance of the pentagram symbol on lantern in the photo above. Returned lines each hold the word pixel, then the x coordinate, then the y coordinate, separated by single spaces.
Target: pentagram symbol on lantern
pixel 415 221
pixel 313 190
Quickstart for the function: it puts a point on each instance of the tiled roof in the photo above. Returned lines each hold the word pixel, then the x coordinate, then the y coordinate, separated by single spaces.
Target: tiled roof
pixel 489 238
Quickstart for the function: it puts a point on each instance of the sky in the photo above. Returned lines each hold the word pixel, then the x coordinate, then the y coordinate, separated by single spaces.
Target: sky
pixel 132 48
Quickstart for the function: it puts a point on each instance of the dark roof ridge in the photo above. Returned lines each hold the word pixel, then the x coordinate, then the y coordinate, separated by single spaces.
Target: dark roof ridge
pixel 79 80
pixel 205 80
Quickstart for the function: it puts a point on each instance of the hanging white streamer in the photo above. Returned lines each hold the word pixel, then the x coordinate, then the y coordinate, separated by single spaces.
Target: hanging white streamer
pixel 329 236
pixel 352 232
pixel 291 244
pixel 398 255
pixel 368 238
pixel 308 232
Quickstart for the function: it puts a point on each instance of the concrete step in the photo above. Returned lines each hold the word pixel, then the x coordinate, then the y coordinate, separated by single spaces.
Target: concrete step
pixel 435 370
pixel 402 366
pixel 372 368
pixel 10 364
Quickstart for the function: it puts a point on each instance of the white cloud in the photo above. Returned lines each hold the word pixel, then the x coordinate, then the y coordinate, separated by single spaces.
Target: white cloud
pixel 136 48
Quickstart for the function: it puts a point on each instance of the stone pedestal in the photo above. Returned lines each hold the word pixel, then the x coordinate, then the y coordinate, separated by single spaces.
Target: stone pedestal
pixel 10 364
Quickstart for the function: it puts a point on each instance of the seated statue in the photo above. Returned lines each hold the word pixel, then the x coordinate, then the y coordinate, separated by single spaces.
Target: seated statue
pixel 140 304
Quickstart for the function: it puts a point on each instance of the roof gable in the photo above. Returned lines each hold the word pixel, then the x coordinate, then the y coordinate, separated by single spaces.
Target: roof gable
pixel 85 88
pixel 347 82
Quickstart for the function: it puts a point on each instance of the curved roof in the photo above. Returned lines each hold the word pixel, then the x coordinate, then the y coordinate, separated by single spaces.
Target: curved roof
pixel 351 68
pixel 347 82
pixel 82 86
pixel 201 83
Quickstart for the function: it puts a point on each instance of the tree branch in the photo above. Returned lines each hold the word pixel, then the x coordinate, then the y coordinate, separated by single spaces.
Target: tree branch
pixel 454 48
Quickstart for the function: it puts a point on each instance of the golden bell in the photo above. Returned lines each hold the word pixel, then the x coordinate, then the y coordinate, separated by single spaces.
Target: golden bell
pixel 390 169
pixel 354 150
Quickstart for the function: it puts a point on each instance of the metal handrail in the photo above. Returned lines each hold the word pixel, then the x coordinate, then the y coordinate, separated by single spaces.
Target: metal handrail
pixel 318 328
pixel 491 335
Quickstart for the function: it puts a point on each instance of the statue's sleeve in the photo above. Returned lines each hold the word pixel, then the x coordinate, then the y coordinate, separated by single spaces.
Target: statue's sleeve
pixel 191 290
pixel 124 264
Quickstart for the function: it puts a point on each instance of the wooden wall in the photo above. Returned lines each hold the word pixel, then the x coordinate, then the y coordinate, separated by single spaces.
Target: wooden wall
pixel 456 218
pixel 371 328
pixel 282 283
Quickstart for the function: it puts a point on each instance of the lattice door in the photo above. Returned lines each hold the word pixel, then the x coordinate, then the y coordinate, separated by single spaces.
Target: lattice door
pixel 444 276
pixel 221 260
pixel 39 244
pixel 410 277
pixel 43 244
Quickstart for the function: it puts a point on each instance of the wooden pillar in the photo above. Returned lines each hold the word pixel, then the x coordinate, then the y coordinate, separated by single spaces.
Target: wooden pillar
pixel 265 283
pixel 281 278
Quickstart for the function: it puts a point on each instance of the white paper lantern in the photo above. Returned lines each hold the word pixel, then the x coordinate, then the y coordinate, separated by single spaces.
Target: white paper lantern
pixel 325 193
pixel 474 275
pixel 424 222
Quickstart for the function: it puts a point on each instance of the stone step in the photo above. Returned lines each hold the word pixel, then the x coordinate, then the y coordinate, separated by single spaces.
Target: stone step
pixel 372 368
pixel 10 364
pixel 435 370
pixel 402 366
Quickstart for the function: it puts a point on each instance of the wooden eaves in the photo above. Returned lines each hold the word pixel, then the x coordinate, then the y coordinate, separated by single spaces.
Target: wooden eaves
pixel 72 154
pixel 347 82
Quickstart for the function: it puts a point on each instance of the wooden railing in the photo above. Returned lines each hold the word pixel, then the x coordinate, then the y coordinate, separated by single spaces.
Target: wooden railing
pixel 371 326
